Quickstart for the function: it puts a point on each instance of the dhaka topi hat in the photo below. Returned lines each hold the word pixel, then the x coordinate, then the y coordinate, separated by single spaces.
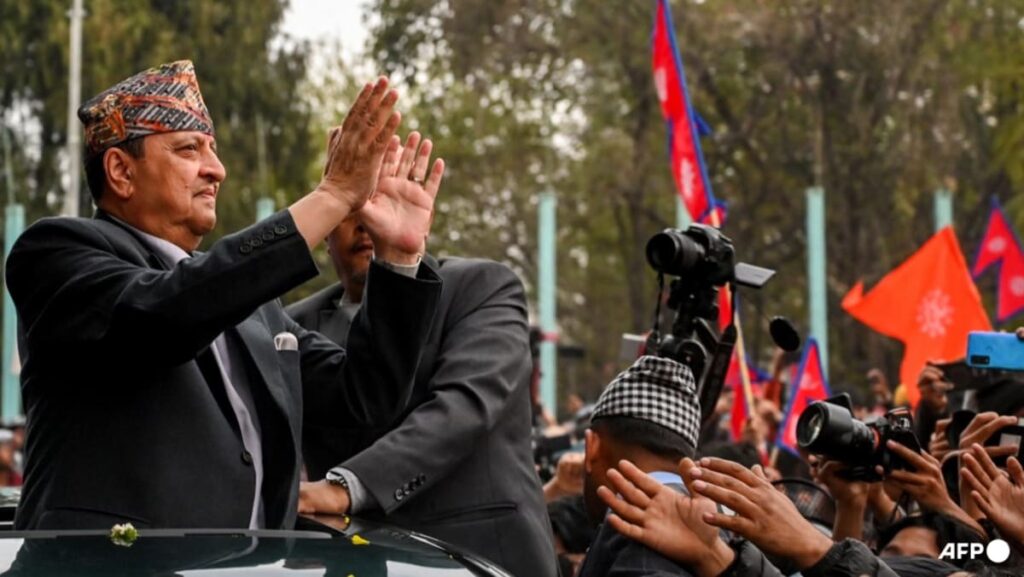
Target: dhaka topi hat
pixel 657 390
pixel 165 98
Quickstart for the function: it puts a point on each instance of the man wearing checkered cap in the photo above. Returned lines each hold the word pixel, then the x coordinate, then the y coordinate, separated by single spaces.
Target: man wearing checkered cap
pixel 162 386
pixel 650 415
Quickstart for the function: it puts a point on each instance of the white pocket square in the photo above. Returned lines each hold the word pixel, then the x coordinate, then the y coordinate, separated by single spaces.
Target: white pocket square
pixel 286 341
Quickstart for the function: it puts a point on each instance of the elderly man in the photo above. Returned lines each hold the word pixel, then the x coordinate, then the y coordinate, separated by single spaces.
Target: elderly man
pixel 458 464
pixel 162 386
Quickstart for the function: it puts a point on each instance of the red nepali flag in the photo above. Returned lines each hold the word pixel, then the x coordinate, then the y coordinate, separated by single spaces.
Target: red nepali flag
pixel 998 240
pixel 684 125
pixel 734 377
pixel 734 380
pixel 1011 284
pixel 1001 247
pixel 810 385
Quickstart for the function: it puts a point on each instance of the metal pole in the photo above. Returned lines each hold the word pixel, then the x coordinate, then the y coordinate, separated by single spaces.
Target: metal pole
pixel 71 198
pixel 10 390
pixel 264 208
pixel 264 204
pixel 10 403
pixel 8 167
pixel 546 290
pixel 683 219
pixel 816 270
pixel 943 209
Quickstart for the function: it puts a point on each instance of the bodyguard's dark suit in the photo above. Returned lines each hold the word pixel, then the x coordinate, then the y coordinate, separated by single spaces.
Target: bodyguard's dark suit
pixel 458 464
pixel 127 415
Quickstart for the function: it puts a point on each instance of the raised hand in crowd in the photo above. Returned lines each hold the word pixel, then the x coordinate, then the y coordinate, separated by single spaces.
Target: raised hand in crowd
pixel 938 444
pixel 880 388
pixel 925 484
pixel 764 516
pixel 666 520
pixel 998 494
pixel 854 497
pixel 981 428
pixel 851 498
pixel 934 387
pixel 568 479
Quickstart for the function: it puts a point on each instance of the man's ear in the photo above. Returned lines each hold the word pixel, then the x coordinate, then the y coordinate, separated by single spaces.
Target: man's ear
pixel 592 447
pixel 119 167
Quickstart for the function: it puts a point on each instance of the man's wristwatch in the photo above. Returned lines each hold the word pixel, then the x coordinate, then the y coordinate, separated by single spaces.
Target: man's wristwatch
pixel 335 477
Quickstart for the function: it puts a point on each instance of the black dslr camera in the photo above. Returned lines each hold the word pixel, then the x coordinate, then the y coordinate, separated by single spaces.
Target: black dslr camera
pixel 828 428
pixel 703 260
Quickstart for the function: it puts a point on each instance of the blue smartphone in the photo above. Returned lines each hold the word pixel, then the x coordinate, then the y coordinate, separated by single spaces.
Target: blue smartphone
pixel 990 350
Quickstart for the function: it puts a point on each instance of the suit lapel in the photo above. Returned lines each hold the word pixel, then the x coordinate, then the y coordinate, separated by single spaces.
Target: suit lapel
pixel 264 356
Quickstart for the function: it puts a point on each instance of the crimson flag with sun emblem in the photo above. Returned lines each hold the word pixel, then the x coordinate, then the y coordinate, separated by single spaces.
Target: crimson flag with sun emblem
pixel 683 123
pixel 929 302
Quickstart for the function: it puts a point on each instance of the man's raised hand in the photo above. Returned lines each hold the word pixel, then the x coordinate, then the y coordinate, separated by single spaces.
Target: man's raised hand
pixel 763 515
pixel 399 213
pixel 356 149
pixel 665 520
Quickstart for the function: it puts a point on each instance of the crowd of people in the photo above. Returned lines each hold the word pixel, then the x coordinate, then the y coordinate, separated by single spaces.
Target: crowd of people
pixel 403 392
pixel 780 513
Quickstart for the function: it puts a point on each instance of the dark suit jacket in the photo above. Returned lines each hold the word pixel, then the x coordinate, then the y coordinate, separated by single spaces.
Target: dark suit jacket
pixel 613 555
pixel 127 417
pixel 458 464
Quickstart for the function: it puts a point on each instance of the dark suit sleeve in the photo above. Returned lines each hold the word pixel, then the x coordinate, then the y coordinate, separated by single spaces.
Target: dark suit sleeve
pixel 84 290
pixel 384 349
pixel 613 555
pixel 483 357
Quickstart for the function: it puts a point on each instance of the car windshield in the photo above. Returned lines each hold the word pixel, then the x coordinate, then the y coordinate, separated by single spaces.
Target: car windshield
pixel 360 549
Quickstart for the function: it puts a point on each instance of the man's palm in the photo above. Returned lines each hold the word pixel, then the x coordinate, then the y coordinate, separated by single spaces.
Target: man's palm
pixel 398 214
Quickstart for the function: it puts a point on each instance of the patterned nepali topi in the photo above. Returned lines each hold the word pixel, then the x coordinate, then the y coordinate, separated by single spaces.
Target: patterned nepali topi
pixel 658 390
pixel 165 98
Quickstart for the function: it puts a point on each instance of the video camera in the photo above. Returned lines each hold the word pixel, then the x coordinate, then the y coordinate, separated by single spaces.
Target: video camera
pixel 828 428
pixel 703 261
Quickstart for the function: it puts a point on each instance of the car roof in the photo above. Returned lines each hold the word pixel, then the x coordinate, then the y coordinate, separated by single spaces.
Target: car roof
pixel 358 549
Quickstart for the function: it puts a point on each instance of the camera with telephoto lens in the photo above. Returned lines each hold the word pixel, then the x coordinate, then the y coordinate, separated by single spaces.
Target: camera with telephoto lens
pixel 703 261
pixel 828 428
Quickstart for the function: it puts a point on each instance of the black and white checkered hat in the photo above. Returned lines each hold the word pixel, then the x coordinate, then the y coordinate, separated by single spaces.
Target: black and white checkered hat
pixel 654 389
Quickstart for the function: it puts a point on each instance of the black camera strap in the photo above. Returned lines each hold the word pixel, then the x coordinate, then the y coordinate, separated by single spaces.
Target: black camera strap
pixel 655 332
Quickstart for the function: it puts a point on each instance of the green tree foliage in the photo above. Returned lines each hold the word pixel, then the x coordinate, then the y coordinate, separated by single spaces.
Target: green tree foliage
pixel 243 75
pixel 879 102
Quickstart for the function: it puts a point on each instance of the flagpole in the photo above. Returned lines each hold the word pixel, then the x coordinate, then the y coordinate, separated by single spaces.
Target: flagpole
pixel 816 277
pixel 547 233
pixel 748 391
pixel 943 208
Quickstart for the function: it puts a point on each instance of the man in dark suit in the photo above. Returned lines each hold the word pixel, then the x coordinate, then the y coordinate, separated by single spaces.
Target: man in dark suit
pixel 162 386
pixel 457 465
